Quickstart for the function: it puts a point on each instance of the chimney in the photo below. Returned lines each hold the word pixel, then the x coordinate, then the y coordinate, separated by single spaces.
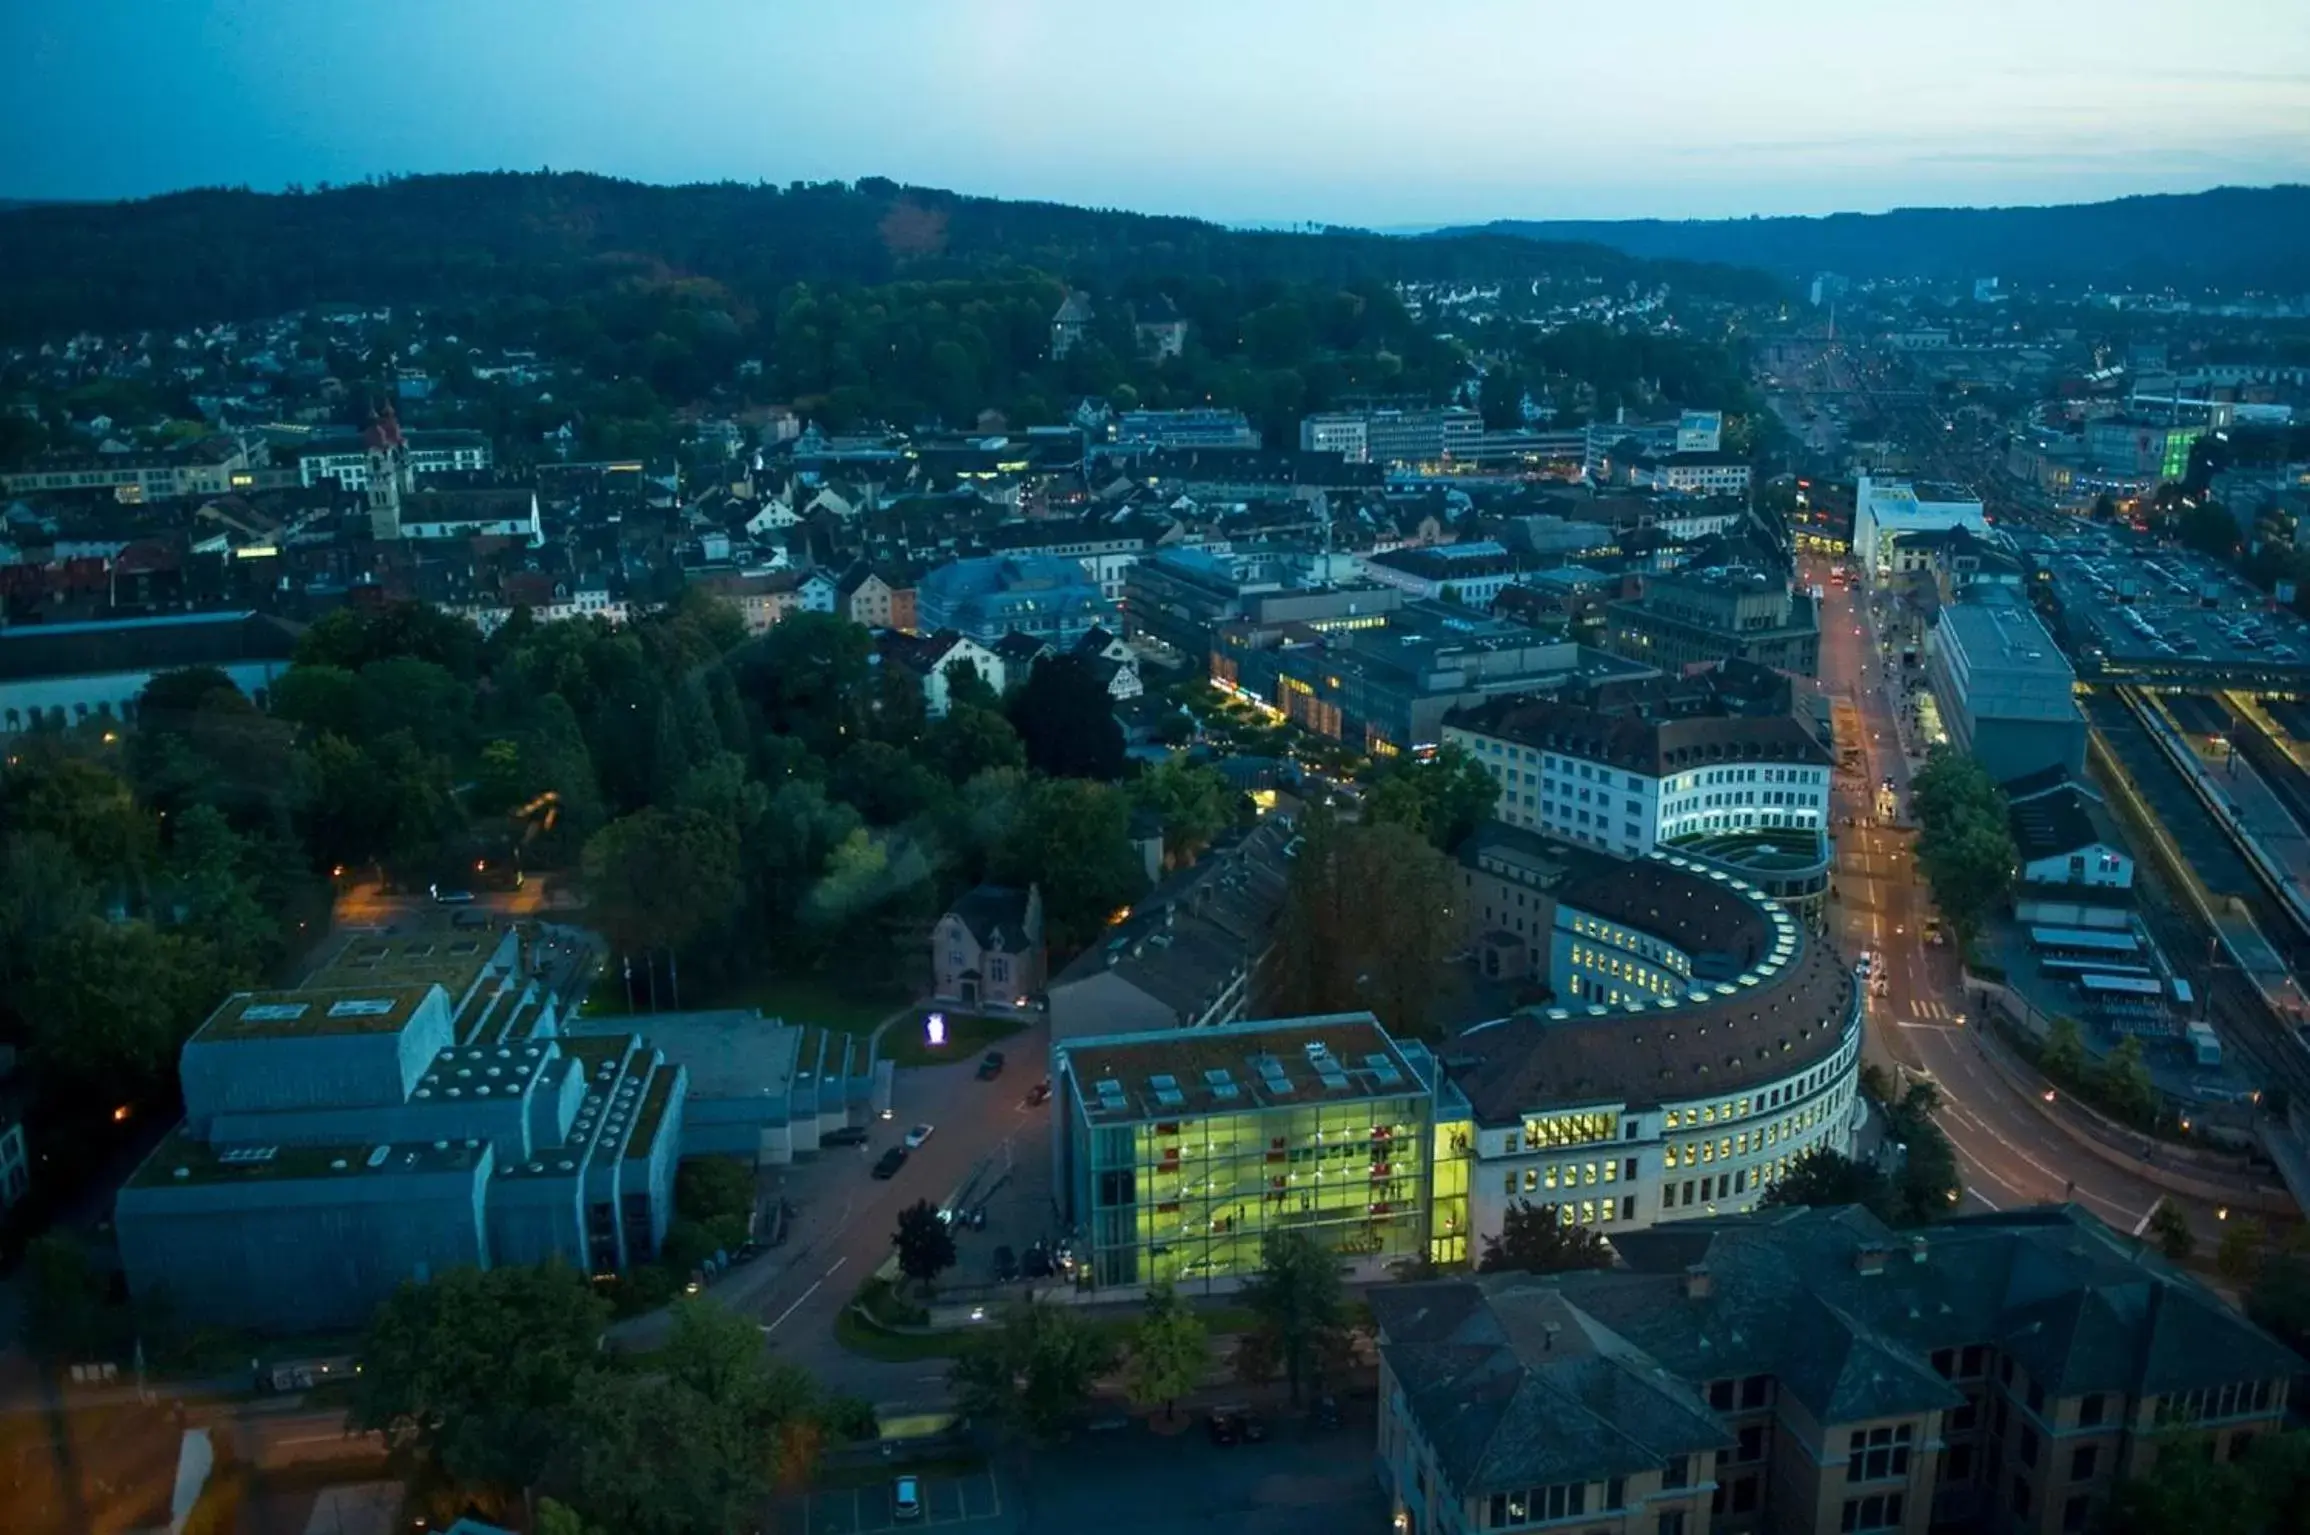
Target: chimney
pixel 1869 1259
pixel 1697 1283
pixel 1917 1249
pixel 1548 1338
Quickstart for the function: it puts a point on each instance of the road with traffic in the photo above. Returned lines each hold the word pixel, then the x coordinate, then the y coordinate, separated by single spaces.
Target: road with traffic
pixel 2007 1151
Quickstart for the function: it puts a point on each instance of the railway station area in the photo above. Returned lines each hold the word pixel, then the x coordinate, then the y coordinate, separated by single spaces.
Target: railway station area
pixel 2127 610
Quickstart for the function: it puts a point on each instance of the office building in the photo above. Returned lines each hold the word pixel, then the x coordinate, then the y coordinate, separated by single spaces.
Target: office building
pixel 1386 682
pixel 1696 617
pixel 1047 596
pixel 1692 474
pixel 1629 781
pixel 1813 1371
pixel 1344 434
pixel 408 1110
pixel 1470 573
pixel 346 459
pixel 1106 547
pixel 1182 598
pixel 2004 688
pixel 2130 446
pixel 210 466
pixel 1158 431
pixel 1182 1150
pixel 1420 436
pixel 1884 509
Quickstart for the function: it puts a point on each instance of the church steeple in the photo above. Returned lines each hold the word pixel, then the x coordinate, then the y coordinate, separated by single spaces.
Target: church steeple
pixel 390 476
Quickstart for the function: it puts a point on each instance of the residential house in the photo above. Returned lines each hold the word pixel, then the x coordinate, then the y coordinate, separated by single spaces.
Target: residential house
pixel 820 592
pixel 761 597
pixel 864 597
pixel 929 658
pixel 987 951
pixel 1158 328
pixel 1019 652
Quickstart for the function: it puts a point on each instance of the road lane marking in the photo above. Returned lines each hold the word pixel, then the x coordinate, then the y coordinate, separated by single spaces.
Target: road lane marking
pixel 771 1327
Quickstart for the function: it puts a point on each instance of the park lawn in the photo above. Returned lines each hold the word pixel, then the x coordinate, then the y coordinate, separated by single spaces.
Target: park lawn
pixel 863 1337
pixel 967 1037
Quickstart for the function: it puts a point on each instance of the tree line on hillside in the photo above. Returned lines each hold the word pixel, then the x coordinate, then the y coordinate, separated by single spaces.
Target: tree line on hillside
pixel 222 254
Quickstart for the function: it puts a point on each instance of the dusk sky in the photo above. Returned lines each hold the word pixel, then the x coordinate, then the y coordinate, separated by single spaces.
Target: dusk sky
pixel 1349 111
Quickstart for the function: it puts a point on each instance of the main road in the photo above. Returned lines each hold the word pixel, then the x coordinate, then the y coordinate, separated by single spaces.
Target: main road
pixel 2006 1150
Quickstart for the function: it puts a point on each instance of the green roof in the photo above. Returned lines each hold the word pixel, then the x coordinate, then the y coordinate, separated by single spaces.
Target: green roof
pixel 181 1160
pixel 313 1013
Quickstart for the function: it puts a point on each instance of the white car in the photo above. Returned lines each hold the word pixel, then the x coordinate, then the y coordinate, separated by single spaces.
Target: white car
pixel 916 1136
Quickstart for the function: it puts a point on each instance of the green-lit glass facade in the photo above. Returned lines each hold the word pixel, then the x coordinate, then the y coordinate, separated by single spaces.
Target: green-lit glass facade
pixel 1191 1199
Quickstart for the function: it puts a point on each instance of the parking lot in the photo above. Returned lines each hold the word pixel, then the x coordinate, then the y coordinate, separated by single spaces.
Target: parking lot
pixel 946 1500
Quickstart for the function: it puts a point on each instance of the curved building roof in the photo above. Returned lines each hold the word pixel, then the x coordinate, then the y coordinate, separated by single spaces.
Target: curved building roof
pixel 1767 1001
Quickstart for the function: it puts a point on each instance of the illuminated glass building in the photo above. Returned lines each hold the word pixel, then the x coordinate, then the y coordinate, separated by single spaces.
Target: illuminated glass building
pixel 1184 1148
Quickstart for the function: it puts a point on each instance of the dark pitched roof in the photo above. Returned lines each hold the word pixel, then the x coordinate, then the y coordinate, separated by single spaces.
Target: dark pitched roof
pixel 996 916
pixel 1843 1313
pixel 1656 747
pixel 2052 824
pixel 1018 646
pixel 2031 785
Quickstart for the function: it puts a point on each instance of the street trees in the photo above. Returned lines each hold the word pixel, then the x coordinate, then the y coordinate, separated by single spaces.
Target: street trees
pixel 1537 1239
pixel 1964 845
pixel 925 1243
pixel 1032 1372
pixel 2171 1230
pixel 1369 918
pixel 1822 1177
pixel 1926 1185
pixel 1299 1301
pixel 2239 1257
pixel 1170 1351
pixel 1444 798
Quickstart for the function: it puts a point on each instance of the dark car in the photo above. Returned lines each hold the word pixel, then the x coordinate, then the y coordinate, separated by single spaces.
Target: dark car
pixel 1327 1412
pixel 1251 1426
pixel 847 1135
pixel 891 1161
pixel 1006 1265
pixel 991 1066
pixel 1037 1263
pixel 1222 1428
pixel 1039 1093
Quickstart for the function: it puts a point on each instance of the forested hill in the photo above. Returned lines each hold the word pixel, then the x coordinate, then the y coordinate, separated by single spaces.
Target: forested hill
pixel 209 255
pixel 2231 237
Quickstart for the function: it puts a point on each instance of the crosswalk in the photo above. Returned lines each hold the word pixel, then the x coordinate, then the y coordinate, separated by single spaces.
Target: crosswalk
pixel 1931 1015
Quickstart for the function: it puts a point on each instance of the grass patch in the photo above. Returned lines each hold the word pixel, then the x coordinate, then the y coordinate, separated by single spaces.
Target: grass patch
pixel 966 1038
pixel 861 1334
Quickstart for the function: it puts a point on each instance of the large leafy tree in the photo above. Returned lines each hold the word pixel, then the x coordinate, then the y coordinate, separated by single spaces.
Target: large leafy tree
pixel 1067 722
pixel 1369 918
pixel 812 678
pixel 1169 1351
pixel 1964 844
pixel 925 1243
pixel 662 879
pixel 1822 1177
pixel 1033 1371
pixel 1536 1239
pixel 112 1002
pixel 1193 800
pixel 1443 798
pixel 1073 838
pixel 480 1369
pixel 1299 1300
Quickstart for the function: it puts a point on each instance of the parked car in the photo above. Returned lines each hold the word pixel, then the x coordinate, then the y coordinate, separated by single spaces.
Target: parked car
pixel 906 1498
pixel 847 1135
pixel 916 1136
pixel 891 1161
pixel 1037 1262
pixel 1327 1412
pixel 990 1065
pixel 1006 1265
pixel 1222 1428
pixel 1251 1426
